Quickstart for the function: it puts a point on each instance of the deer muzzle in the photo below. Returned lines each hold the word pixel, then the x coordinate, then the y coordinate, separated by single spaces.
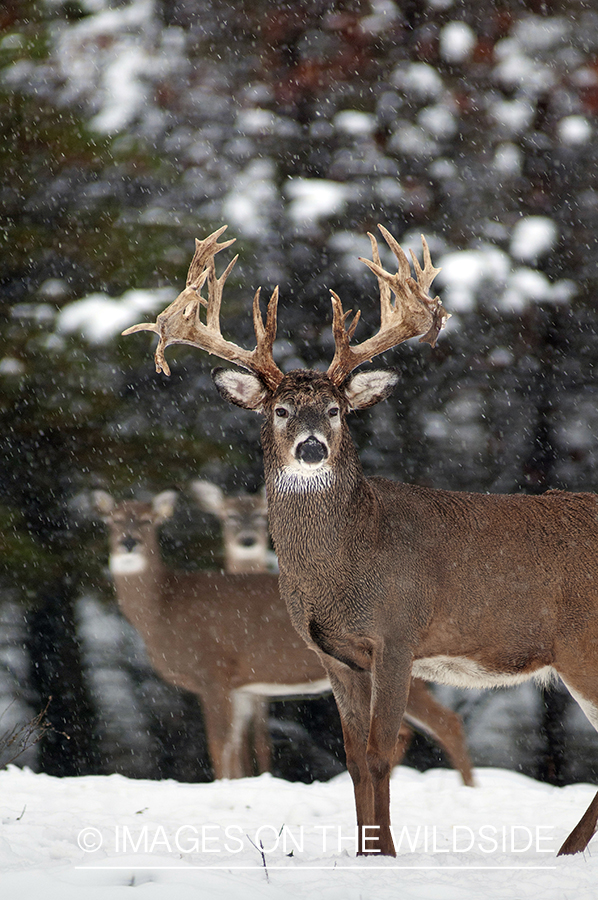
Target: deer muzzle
pixel 128 544
pixel 311 451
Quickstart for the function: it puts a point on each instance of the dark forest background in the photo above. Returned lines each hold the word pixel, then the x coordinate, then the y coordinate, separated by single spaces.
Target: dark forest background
pixel 127 129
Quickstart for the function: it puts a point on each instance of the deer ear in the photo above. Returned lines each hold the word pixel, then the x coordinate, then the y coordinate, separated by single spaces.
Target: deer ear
pixel 242 388
pixel 103 502
pixel 163 505
pixel 208 496
pixel 367 388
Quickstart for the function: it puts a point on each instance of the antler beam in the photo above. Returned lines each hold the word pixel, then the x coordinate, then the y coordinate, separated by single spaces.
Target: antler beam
pixel 413 311
pixel 180 323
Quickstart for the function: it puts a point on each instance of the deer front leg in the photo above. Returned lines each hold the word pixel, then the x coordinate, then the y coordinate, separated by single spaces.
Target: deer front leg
pixel 352 694
pixel 391 676
pixel 371 709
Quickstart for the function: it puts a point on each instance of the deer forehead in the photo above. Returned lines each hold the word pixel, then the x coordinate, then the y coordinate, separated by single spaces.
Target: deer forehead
pixel 244 514
pixel 307 390
pixel 133 514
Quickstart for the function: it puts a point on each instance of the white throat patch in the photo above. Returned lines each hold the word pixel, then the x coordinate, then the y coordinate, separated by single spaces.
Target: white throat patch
pixel 127 563
pixel 301 479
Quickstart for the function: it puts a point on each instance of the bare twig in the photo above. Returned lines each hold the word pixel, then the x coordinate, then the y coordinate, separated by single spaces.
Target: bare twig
pixel 260 850
pixel 22 737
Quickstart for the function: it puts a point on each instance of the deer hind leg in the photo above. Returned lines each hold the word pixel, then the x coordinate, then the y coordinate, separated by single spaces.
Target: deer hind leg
pixel 403 741
pixel 247 724
pixel 442 724
pixel 586 695
pixel 257 741
pixel 224 717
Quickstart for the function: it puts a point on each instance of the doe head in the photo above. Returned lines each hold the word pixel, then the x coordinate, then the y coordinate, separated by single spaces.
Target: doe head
pixel 132 527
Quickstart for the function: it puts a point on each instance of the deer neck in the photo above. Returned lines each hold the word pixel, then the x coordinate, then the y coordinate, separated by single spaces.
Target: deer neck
pixel 139 579
pixel 310 518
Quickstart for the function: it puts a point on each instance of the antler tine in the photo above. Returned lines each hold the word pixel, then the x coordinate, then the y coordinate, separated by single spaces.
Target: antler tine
pixel 265 336
pixel 205 251
pixel 413 311
pixel 425 276
pixel 180 323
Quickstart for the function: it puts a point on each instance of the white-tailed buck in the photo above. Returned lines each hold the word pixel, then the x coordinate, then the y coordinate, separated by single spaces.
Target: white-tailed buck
pixel 245 536
pixel 386 579
pixel 228 639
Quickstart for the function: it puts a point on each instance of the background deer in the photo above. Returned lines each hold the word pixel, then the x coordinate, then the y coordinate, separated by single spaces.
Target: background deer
pixel 243 518
pixel 220 636
pixel 208 632
pixel 384 579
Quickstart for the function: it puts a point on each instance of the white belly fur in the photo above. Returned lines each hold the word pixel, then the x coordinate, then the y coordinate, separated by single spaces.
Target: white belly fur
pixel 462 672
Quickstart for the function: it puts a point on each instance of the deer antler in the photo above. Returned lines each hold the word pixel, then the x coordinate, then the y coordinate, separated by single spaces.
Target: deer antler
pixel 413 311
pixel 180 323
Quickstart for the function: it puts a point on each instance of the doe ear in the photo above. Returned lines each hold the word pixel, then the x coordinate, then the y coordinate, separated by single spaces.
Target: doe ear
pixel 367 388
pixel 163 505
pixel 208 496
pixel 103 503
pixel 242 388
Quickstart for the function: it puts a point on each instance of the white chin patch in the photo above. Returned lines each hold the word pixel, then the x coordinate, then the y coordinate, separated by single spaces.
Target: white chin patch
pixel 302 477
pixel 127 563
pixel 245 553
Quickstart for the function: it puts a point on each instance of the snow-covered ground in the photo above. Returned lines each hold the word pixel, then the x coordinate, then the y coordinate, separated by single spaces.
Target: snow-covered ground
pixel 96 837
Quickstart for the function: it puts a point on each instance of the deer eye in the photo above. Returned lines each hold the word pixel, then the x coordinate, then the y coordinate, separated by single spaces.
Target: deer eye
pixel 281 412
pixel 333 411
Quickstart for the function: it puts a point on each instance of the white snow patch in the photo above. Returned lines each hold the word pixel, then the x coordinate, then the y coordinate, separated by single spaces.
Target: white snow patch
pixel 574 130
pixel 464 272
pixel 439 120
pixel 384 13
pixel 124 90
pixel 457 40
pixel 418 79
pixel 354 122
pixel 10 365
pixel 516 70
pixel 533 237
pixel 513 116
pixel 99 318
pixel 524 285
pixel 258 121
pixel 508 159
pixel 487 273
pixel 314 198
pixel 250 203
pixel 412 140
pixel 541 33
pixel 112 60
pixel 99 836
pixel 440 4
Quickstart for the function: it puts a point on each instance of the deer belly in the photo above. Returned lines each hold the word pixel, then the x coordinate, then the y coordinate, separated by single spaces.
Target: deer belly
pixel 463 672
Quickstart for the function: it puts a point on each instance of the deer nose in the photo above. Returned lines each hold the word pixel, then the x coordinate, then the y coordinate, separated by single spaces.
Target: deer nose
pixel 311 450
pixel 129 543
